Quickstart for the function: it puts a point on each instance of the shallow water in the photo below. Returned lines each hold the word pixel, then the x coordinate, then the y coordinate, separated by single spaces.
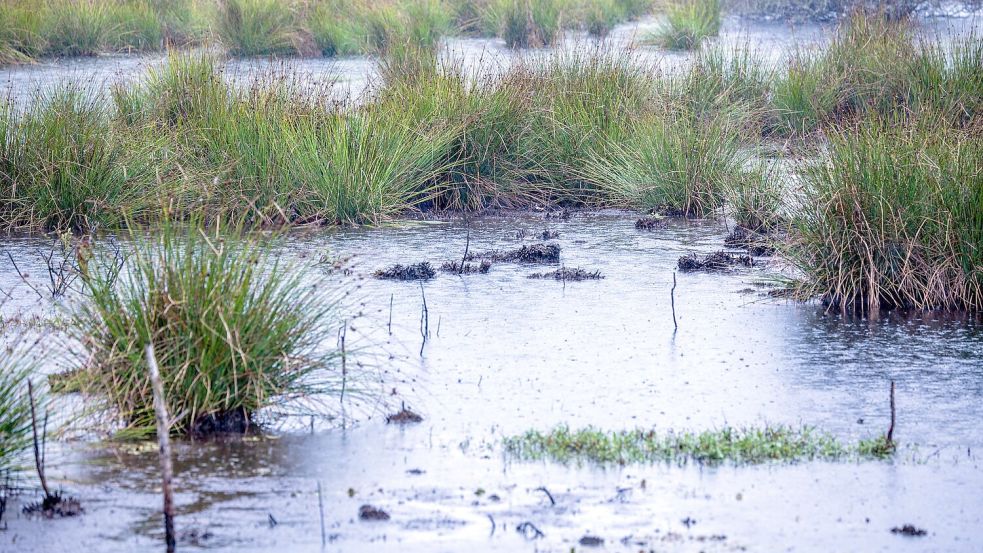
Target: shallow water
pixel 507 354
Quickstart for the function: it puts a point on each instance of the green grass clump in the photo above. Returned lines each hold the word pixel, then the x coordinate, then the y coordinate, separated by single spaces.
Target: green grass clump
pixel 582 100
pixel 136 26
pixel 235 331
pixel 672 163
pixel 15 408
pixel 525 24
pixel 736 445
pixel 688 24
pixel 77 28
pixel 64 167
pixel 894 218
pixel 258 27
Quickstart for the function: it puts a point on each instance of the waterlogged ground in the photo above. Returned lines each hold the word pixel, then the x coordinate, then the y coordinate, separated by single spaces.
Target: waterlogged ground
pixel 507 354
pixel 349 77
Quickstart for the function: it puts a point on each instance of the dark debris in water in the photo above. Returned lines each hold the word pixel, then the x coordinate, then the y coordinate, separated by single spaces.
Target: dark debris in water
pixel 371 513
pixel 465 268
pixel 591 541
pixel 417 271
pixel 234 421
pixel 559 215
pixel 533 253
pixel 909 530
pixel 404 416
pixel 56 505
pixel 565 274
pixel 756 244
pixel 651 223
pixel 717 261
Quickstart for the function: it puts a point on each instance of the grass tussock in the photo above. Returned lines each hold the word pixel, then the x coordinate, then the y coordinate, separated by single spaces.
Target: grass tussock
pixel 876 65
pixel 736 445
pixel 64 165
pixel 894 218
pixel 235 332
pixel 688 23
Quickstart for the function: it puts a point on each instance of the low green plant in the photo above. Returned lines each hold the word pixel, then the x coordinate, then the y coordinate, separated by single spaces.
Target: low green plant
pixel 136 26
pixel 893 217
pixel 235 331
pixel 525 24
pixel 688 23
pixel 737 445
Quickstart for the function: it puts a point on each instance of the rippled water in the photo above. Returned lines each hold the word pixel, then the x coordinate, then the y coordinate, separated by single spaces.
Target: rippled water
pixel 508 354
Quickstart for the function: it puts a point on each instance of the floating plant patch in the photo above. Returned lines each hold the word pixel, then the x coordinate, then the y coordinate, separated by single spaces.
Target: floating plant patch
pixel 755 243
pixel 651 223
pixel 533 253
pixel 565 274
pixel 718 261
pixel 417 271
pixel 465 268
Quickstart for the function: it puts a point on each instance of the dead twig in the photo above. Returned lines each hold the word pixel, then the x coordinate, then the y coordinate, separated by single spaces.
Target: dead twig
pixel 890 429
pixel 164 441
pixel 672 298
pixel 548 494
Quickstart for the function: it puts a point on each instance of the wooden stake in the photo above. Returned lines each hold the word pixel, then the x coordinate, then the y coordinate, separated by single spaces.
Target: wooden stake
pixel 164 440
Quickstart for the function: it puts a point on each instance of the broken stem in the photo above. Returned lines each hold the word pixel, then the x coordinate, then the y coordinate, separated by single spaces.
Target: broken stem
pixel 164 441
pixel 424 320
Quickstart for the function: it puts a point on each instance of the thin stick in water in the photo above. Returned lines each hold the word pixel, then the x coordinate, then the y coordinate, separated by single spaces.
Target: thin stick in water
pixel 320 507
pixel 890 430
pixel 38 458
pixel 164 440
pixel 424 320
pixel 672 297
pixel 390 314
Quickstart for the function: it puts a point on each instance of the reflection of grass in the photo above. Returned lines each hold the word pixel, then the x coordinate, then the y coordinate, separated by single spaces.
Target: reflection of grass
pixel 742 446
pixel 688 24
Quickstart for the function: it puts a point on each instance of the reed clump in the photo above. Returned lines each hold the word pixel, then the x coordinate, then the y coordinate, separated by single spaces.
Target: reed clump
pixel 65 166
pixel 876 65
pixel 893 218
pixel 235 332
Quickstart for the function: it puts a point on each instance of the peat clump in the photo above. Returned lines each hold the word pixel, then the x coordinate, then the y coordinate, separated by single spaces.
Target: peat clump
pixel 565 274
pixel 416 271
pixel 370 513
pixel 714 262
pixel 756 243
pixel 651 223
pixel 909 530
pixel 404 416
pixel 234 421
pixel 55 505
pixel 533 253
pixel 465 268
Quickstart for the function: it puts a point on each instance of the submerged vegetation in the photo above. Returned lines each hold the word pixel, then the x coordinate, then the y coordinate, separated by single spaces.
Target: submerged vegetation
pixel 737 445
pixel 234 330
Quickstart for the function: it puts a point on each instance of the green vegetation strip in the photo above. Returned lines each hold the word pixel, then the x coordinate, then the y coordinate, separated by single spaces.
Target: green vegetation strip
pixel 744 445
